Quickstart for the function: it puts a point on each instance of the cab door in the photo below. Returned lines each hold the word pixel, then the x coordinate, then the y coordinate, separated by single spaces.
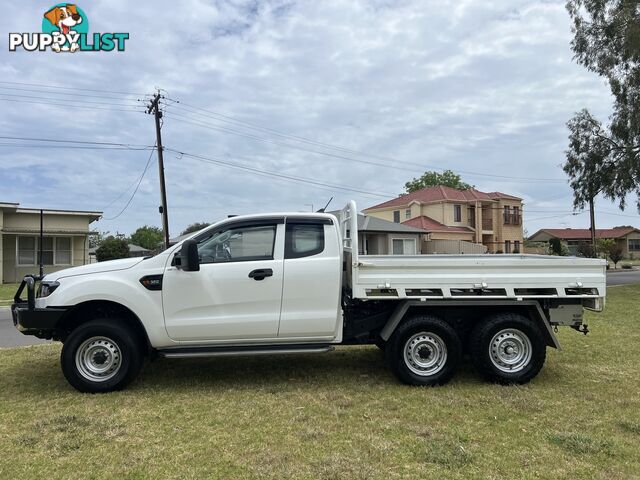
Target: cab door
pixel 313 267
pixel 237 293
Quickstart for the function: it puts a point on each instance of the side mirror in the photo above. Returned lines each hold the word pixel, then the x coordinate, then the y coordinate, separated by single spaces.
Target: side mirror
pixel 189 260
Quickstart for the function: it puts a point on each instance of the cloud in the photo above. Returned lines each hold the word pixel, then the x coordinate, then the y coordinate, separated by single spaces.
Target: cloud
pixel 472 86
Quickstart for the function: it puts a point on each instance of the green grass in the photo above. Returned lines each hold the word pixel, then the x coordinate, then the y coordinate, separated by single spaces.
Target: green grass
pixel 7 291
pixel 334 416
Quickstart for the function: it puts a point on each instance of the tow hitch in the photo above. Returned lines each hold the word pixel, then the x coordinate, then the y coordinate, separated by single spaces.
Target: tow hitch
pixel 581 328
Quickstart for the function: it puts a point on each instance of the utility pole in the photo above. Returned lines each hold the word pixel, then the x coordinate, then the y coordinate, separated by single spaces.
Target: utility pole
pixel 592 218
pixel 154 108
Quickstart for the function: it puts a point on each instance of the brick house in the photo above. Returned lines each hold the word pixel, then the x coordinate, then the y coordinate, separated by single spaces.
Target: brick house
pixel 492 219
pixel 627 237
pixel 64 245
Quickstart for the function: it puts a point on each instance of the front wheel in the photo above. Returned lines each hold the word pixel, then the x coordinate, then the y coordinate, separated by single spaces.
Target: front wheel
pixel 424 350
pixel 508 348
pixel 101 356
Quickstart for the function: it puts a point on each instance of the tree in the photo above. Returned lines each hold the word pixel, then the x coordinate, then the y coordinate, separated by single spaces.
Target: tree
pixel 112 248
pixel 557 247
pixel 147 237
pixel 96 238
pixel 586 250
pixel 611 249
pixel 432 179
pixel 194 227
pixel 615 254
pixel 606 159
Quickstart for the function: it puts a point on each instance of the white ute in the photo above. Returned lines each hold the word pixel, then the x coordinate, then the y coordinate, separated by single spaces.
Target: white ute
pixel 295 283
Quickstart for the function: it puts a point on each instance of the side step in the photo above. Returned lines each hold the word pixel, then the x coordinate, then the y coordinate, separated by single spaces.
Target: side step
pixel 227 351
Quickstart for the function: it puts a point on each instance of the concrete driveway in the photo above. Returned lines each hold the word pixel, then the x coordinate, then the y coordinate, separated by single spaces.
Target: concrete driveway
pixel 10 337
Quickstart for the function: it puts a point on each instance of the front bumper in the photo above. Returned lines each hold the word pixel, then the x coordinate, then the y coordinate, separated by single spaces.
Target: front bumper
pixel 29 320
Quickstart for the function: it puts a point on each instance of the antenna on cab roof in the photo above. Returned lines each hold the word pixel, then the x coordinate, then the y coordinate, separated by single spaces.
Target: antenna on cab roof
pixel 322 210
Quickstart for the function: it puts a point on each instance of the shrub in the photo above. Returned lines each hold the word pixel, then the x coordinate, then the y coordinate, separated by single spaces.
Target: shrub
pixel 626 266
pixel 112 248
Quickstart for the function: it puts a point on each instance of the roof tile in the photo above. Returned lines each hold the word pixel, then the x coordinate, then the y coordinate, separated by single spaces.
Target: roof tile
pixel 439 193
pixel 430 225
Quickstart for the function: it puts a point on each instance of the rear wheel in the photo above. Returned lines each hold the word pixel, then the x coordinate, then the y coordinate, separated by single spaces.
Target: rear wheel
pixel 424 350
pixel 508 348
pixel 101 356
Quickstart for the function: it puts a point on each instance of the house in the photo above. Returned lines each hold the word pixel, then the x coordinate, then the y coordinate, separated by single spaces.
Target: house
pixel 134 251
pixel 627 237
pixel 491 219
pixel 380 237
pixel 65 240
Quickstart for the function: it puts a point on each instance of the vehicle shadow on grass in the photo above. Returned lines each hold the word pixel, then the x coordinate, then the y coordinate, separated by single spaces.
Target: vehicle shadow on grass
pixel 346 367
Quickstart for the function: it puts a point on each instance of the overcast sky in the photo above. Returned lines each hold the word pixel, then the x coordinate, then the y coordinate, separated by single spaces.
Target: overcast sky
pixel 357 94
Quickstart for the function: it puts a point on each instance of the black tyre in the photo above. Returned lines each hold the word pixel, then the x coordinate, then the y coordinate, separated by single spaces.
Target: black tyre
pixel 424 350
pixel 508 348
pixel 101 356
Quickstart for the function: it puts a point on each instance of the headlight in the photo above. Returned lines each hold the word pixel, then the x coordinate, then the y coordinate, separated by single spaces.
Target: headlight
pixel 46 288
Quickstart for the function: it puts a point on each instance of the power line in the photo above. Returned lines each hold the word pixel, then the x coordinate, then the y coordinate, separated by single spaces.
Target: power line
pixel 229 119
pixel 72 94
pixel 67 106
pixel 59 140
pixel 146 167
pixel 184 119
pixel 69 88
pixel 73 147
pixel 79 101
pixel 309 181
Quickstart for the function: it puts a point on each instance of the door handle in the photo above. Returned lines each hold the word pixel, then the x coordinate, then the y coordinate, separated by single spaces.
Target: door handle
pixel 261 273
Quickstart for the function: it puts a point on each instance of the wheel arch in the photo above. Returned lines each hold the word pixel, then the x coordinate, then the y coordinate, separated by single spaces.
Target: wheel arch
pixel 95 309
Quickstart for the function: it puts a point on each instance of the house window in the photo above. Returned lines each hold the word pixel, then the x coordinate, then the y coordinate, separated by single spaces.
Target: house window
pixel 507 246
pixel 634 244
pixel 457 213
pixel 516 246
pixel 26 251
pixel 403 246
pixel 516 216
pixel 507 218
pixel 407 213
pixel 55 251
pixel 396 216
pixel 47 251
pixel 63 251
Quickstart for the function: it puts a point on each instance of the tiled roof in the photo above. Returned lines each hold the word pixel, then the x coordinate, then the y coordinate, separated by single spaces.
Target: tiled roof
pixel 367 223
pixel 585 233
pixel 430 225
pixel 500 195
pixel 439 193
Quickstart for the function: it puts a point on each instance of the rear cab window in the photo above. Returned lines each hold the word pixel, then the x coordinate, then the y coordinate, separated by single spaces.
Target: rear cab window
pixel 304 239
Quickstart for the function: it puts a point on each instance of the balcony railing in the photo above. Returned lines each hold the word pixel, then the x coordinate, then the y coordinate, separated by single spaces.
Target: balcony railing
pixel 512 219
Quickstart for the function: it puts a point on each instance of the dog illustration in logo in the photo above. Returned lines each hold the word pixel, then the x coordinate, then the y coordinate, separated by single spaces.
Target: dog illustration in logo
pixel 64 17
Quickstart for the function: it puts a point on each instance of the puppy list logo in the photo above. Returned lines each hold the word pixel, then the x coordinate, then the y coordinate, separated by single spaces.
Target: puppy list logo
pixel 65 28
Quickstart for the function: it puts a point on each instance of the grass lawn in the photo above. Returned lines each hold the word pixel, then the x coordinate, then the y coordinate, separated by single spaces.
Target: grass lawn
pixel 339 415
pixel 7 291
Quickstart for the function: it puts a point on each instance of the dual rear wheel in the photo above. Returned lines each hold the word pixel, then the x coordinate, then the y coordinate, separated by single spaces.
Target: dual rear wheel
pixel 505 348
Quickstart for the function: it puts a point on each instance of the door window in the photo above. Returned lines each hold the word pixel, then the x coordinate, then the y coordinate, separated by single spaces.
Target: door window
pixel 238 244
